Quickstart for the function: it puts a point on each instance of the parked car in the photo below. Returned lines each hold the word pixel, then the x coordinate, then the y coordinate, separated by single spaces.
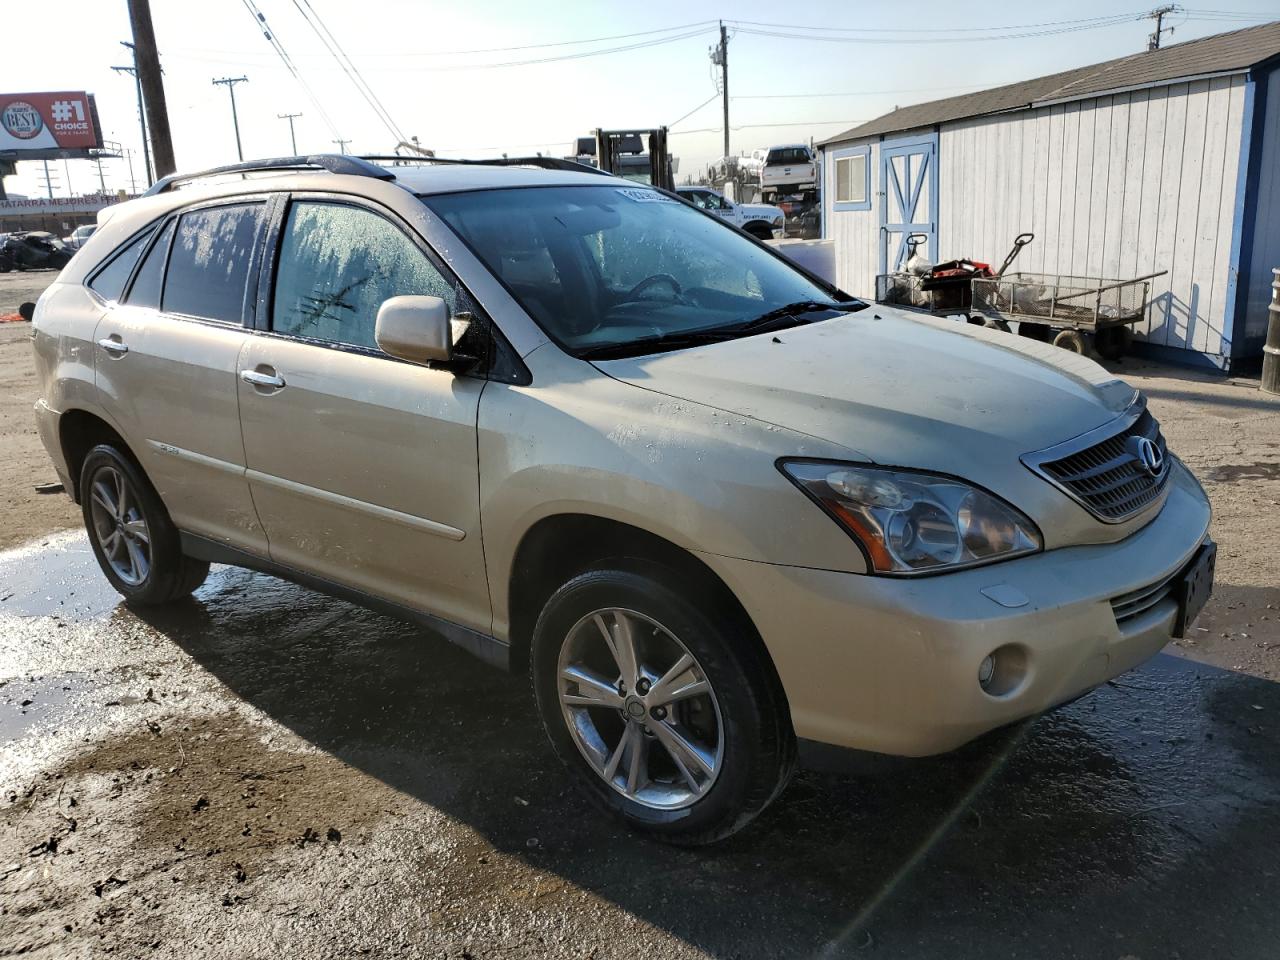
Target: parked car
pixel 32 251
pixel 75 240
pixel 789 172
pixel 758 219
pixel 712 504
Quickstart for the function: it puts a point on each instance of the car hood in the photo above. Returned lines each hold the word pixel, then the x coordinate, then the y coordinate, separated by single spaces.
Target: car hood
pixel 897 389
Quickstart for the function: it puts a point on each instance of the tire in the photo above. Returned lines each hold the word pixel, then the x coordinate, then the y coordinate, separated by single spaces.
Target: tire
pixel 141 552
pixel 759 231
pixel 740 724
pixel 1072 340
pixel 1112 343
pixel 1035 331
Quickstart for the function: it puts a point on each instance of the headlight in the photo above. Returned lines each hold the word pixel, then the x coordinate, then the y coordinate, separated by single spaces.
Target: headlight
pixel 908 522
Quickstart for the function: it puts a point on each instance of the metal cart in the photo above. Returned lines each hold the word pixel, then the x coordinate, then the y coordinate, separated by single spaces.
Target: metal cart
pixel 1072 312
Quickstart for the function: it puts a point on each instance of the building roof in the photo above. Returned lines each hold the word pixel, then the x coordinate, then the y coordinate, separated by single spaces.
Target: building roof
pixel 1223 52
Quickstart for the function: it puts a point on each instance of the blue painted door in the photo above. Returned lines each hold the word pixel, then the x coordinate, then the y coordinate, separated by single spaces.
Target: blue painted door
pixel 908 198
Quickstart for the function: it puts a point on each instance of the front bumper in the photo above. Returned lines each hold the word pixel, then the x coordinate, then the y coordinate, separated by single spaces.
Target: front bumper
pixel 891 665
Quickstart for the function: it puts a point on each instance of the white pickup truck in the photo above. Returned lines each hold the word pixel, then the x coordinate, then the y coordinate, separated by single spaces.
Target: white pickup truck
pixel 758 219
pixel 789 171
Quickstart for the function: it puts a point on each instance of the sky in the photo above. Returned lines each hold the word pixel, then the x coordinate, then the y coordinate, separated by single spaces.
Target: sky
pixel 458 75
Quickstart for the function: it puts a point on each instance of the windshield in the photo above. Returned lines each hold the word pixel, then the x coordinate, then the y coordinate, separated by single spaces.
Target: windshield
pixel 608 266
pixel 787 155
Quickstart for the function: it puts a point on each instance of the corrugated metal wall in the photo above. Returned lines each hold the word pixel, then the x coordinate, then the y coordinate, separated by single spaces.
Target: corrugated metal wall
pixel 856 233
pixel 1266 235
pixel 1114 187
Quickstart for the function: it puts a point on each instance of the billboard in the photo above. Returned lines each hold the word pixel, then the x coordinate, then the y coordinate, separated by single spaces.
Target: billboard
pixel 35 126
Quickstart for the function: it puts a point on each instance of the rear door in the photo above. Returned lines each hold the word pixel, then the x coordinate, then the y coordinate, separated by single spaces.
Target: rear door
pixel 166 359
pixel 363 467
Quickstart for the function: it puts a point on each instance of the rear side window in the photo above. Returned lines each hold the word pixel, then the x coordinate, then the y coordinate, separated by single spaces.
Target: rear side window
pixel 787 155
pixel 110 280
pixel 209 267
pixel 145 291
pixel 338 264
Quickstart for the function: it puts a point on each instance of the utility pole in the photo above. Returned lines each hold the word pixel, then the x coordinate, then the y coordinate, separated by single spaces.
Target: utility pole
pixel 128 155
pixel 292 139
pixel 230 83
pixel 1158 15
pixel 48 180
pixel 342 145
pixel 720 57
pixel 146 60
pixel 142 116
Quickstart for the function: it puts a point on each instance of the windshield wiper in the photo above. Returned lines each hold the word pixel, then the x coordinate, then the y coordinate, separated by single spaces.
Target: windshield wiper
pixel 790 311
pixel 682 339
pixel 657 343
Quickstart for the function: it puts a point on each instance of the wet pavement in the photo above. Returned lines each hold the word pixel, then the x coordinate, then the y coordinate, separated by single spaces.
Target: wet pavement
pixel 267 771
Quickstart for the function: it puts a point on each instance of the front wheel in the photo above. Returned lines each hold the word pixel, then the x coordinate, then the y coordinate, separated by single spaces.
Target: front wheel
pixel 665 710
pixel 133 538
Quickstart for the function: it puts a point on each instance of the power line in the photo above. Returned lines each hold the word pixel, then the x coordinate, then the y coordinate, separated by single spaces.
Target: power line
pixel 278 47
pixel 696 109
pixel 1103 20
pixel 331 42
pixel 1048 32
pixel 851 93
pixel 569 56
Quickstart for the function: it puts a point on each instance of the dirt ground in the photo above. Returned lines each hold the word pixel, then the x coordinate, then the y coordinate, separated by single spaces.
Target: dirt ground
pixel 24 514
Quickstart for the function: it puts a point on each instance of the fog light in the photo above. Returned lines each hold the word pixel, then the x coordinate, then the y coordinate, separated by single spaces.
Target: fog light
pixel 986 670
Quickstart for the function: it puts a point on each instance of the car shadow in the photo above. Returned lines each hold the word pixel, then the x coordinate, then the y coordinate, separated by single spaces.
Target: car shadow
pixel 1117 825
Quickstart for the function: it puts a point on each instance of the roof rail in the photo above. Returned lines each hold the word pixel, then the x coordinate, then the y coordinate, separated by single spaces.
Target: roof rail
pixel 333 162
pixel 549 163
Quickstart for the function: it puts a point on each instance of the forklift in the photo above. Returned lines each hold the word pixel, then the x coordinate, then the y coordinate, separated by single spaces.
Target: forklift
pixel 624 154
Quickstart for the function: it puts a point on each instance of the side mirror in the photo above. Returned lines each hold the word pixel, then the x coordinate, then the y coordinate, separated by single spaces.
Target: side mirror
pixel 414 328
pixel 27 311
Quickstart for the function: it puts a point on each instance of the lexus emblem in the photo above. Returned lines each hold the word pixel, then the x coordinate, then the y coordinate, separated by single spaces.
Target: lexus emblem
pixel 1149 456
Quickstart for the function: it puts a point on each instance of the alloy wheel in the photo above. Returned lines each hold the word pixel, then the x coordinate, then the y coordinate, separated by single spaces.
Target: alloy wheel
pixel 640 708
pixel 119 525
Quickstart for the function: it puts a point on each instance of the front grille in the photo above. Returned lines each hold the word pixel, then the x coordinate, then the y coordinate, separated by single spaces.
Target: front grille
pixel 1137 602
pixel 1108 476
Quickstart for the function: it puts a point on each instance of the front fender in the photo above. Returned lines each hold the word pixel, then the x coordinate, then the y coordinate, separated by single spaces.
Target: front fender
pixel 700 478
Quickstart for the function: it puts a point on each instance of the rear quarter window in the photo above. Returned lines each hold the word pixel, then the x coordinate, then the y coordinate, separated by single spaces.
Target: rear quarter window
pixel 109 282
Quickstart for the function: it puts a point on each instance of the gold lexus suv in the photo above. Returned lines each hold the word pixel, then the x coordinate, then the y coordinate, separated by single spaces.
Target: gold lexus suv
pixel 715 506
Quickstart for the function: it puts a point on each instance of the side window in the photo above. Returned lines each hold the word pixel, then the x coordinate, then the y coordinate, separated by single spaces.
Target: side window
pixel 145 291
pixel 209 269
pixel 110 280
pixel 338 264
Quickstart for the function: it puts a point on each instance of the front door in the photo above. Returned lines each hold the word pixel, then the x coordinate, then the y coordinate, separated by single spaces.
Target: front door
pixel 363 467
pixel 908 199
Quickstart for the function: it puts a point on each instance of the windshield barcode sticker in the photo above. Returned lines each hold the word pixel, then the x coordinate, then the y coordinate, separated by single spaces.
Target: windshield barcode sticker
pixel 646 196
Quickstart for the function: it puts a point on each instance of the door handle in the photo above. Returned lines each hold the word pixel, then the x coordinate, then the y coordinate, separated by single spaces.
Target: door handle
pixel 113 347
pixel 258 379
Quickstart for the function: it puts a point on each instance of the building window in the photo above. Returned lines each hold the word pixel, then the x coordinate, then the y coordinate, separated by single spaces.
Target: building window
pixel 852 174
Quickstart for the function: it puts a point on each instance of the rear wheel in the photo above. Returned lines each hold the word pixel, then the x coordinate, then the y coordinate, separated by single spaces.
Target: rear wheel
pixel 662 708
pixel 135 542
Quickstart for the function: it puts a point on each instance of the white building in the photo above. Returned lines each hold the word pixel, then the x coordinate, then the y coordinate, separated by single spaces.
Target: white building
pixel 1165 160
